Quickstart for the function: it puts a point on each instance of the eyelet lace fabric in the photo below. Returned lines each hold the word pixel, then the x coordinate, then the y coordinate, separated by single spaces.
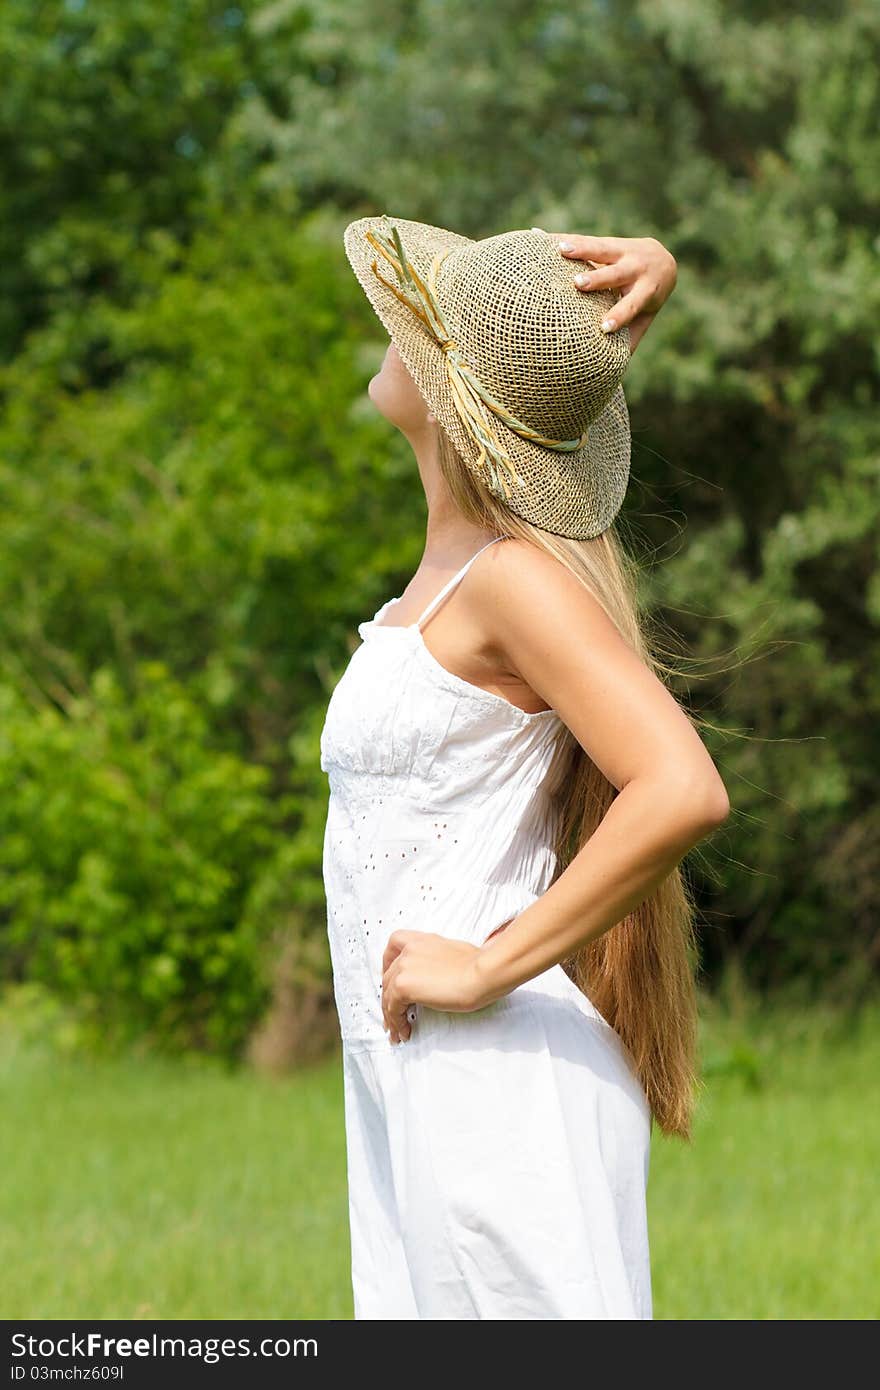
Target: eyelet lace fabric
pixel 437 819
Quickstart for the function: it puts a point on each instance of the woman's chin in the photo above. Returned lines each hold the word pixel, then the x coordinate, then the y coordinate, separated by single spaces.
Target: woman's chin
pixel 375 392
pixel 380 400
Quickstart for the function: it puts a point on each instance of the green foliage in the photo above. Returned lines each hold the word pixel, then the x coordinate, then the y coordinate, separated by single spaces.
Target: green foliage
pixel 128 844
pixel 215 506
pixel 107 113
pixel 745 137
pixel 184 516
pixel 200 503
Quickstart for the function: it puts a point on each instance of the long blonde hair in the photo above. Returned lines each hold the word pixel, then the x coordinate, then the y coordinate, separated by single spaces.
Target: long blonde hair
pixel 640 974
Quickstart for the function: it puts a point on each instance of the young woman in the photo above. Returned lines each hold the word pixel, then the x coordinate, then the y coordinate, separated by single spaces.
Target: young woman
pixel 512 791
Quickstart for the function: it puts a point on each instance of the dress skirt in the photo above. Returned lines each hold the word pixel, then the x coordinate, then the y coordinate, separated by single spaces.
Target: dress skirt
pixel 498 1165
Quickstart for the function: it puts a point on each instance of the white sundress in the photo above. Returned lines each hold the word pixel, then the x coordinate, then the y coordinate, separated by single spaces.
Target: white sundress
pixel 497 1160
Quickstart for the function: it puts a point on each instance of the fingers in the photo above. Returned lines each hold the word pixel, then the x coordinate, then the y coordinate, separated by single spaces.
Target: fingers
pixel 397 1025
pixel 575 247
pixel 611 270
pixel 641 267
pixel 604 277
pixel 624 311
pixel 394 1005
pixel 393 947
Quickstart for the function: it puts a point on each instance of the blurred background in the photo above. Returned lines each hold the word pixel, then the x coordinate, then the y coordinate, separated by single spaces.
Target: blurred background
pixel 199 503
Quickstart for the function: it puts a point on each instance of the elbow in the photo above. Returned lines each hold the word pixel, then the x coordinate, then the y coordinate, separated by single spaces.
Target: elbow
pixel 715 804
pixel 696 804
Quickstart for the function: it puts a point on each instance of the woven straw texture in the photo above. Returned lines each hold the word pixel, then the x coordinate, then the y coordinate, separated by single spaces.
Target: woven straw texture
pixel 514 330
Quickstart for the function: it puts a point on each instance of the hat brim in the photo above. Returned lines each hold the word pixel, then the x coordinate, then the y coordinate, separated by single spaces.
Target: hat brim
pixel 575 494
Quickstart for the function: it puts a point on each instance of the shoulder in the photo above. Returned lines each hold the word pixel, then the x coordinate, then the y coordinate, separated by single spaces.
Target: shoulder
pixel 526 589
pixel 523 564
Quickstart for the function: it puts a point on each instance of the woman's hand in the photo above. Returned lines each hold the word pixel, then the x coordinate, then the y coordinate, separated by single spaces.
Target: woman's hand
pixel 424 968
pixel 640 266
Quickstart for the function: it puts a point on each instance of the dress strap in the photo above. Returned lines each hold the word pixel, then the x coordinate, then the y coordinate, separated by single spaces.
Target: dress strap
pixel 456 579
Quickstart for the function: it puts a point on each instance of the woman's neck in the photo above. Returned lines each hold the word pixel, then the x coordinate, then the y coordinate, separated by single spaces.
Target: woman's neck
pixel 450 538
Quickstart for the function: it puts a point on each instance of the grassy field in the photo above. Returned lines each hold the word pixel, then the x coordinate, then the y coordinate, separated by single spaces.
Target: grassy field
pixel 152 1189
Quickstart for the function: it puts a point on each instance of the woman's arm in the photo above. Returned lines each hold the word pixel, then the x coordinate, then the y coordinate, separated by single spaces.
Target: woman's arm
pixel 552 633
pixel 641 267
pixel 655 819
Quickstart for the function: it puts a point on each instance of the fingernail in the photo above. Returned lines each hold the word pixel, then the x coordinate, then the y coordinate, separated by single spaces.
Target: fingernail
pixel 608 325
pixel 566 246
pixel 582 280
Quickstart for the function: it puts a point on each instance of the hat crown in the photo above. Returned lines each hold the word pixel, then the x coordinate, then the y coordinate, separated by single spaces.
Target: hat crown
pixel 510 357
pixel 532 337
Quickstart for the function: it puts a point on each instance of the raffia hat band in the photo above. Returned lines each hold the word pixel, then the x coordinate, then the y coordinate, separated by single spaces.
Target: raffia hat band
pixel 510 358
pixel 469 395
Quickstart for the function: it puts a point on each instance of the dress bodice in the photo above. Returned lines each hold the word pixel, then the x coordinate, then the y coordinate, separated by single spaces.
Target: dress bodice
pixel 437 819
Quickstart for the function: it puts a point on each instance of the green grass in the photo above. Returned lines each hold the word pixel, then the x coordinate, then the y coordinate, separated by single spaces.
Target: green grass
pixel 772 1211
pixel 162 1189
pixel 150 1189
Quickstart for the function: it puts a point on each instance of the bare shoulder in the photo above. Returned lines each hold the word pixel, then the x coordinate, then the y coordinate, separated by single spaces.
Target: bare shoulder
pixel 544 625
pixel 524 590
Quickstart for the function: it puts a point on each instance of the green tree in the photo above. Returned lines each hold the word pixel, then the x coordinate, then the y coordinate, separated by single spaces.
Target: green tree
pixel 199 502
pixel 110 118
pixel 745 137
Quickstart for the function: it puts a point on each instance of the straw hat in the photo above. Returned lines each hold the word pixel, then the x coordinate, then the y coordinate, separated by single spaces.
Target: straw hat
pixel 511 359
